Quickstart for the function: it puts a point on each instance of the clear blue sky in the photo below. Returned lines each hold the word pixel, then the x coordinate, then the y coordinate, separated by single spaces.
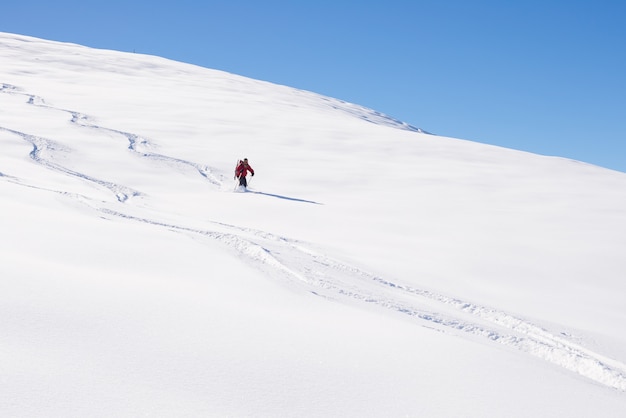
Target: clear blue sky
pixel 545 76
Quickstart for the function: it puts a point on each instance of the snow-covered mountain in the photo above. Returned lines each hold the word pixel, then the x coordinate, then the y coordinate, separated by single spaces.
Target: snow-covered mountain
pixel 371 270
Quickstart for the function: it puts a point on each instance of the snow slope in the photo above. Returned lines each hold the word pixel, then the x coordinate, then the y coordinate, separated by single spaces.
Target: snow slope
pixel 372 269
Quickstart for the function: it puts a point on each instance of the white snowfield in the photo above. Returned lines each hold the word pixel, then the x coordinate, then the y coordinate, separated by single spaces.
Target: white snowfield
pixel 371 270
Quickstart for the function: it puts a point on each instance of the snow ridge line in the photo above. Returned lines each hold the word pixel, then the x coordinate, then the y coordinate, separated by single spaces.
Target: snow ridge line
pixel 281 257
pixel 370 115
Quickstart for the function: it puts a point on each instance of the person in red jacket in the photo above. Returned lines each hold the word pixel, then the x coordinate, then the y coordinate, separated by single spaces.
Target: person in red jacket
pixel 242 170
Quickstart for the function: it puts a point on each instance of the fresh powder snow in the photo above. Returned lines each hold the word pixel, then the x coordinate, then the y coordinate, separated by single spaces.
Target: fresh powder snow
pixel 371 269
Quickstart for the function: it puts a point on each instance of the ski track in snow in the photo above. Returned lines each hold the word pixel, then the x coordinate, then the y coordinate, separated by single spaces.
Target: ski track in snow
pixel 296 264
pixel 42 148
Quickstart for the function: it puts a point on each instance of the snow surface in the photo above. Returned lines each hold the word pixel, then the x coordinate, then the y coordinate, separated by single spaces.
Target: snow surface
pixel 372 269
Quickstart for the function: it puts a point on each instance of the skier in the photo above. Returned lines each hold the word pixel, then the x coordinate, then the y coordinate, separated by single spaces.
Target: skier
pixel 242 170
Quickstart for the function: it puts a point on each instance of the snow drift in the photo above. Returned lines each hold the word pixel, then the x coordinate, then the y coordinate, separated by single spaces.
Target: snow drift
pixel 371 270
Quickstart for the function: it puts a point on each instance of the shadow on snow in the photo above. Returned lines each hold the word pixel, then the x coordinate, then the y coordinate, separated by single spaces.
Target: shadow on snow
pixel 293 199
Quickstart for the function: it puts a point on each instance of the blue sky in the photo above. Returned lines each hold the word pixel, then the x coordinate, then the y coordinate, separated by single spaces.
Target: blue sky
pixel 544 76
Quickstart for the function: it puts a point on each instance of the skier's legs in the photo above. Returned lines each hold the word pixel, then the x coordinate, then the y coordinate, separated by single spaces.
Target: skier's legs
pixel 242 181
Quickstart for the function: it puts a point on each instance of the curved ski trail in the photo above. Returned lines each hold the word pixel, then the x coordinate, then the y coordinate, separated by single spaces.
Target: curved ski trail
pixel 42 148
pixel 296 264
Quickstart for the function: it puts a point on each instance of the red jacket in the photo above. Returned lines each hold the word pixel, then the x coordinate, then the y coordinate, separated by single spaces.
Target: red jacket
pixel 242 170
